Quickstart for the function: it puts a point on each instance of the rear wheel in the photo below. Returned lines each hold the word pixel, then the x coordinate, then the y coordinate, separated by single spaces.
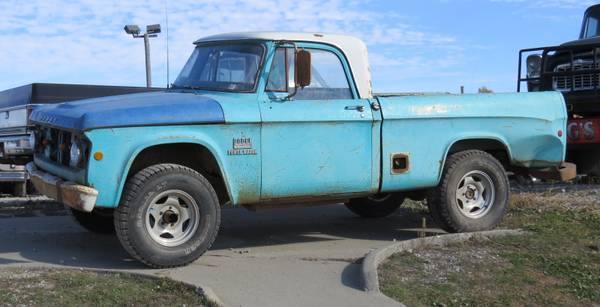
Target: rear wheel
pixel 169 216
pixel 473 193
pixel 100 220
pixel 376 206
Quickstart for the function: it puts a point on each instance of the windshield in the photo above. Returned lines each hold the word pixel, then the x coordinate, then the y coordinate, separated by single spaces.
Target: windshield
pixel 230 67
pixel 591 23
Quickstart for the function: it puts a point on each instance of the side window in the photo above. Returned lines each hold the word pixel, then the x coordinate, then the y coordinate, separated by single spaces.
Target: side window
pixel 328 76
pixel 592 28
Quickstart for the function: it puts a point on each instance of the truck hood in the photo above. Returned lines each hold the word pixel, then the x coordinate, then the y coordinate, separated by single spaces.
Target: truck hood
pixel 144 109
pixel 580 42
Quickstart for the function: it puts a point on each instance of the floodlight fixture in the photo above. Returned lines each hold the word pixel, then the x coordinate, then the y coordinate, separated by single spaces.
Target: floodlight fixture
pixel 153 29
pixel 132 30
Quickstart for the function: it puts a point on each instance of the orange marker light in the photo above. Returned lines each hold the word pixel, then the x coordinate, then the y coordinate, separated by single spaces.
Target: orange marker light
pixel 98 155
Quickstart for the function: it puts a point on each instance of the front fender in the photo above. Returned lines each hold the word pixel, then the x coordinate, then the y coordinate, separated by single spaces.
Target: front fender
pixel 121 146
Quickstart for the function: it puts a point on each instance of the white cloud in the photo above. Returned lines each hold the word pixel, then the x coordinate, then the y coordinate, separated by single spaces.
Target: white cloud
pixel 83 41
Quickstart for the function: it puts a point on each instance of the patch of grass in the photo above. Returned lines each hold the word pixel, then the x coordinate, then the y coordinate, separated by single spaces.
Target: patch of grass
pixel 55 287
pixel 558 263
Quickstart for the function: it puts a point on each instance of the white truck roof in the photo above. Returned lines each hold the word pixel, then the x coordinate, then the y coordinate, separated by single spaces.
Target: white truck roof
pixel 353 48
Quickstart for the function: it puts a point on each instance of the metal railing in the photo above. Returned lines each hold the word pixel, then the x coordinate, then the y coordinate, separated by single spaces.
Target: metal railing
pixel 573 54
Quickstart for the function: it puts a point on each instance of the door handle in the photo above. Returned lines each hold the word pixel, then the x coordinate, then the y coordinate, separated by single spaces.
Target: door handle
pixel 357 108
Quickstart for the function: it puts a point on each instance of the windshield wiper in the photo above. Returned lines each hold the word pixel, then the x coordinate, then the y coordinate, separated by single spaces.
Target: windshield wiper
pixel 186 87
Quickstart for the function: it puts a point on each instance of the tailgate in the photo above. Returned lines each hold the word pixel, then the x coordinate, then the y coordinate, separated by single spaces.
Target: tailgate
pixel 12 118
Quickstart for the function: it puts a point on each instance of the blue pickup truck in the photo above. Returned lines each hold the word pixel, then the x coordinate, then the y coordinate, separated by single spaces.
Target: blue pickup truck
pixel 269 120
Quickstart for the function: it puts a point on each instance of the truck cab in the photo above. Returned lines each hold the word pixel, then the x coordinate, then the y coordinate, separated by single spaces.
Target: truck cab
pixel 590 28
pixel 272 120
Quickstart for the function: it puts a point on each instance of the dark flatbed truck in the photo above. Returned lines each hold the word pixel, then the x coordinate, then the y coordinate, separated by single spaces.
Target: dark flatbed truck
pixel 16 104
pixel 572 68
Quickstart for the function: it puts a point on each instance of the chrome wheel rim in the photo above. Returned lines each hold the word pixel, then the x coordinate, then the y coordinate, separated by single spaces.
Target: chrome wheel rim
pixel 172 218
pixel 475 194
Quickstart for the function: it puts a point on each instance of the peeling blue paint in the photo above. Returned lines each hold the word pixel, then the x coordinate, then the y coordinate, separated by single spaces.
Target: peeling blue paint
pixel 144 109
pixel 427 126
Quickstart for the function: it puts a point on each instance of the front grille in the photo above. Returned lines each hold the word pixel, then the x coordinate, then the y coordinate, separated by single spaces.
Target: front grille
pixel 576 82
pixel 54 145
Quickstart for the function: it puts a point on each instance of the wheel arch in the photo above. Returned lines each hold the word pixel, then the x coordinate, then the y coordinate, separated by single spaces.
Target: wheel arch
pixel 493 145
pixel 196 155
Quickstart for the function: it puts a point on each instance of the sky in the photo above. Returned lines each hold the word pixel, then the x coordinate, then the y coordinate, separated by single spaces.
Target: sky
pixel 414 46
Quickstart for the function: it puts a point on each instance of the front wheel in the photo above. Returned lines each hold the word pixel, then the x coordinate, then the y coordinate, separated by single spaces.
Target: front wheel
pixel 473 193
pixel 169 216
pixel 376 206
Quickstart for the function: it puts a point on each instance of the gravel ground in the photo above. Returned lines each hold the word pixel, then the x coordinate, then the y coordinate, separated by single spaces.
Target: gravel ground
pixel 555 264
pixel 440 264
pixel 30 206
pixel 558 187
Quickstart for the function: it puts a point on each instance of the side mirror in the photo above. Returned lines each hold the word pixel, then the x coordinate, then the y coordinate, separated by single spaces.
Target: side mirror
pixel 303 68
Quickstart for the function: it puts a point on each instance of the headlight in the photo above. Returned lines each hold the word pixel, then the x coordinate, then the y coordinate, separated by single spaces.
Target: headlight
pixel 534 66
pixel 75 153
pixel 18 146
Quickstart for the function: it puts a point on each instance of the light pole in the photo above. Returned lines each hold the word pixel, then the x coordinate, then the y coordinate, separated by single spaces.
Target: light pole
pixel 151 31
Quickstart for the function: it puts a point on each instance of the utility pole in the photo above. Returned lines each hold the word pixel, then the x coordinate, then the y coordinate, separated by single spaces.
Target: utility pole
pixel 148 65
pixel 151 31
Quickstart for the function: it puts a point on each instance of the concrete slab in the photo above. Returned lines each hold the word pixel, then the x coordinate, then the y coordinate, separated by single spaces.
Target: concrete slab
pixel 293 257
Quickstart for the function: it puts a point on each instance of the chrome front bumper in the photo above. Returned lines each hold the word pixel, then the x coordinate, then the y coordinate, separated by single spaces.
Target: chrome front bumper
pixel 12 173
pixel 74 195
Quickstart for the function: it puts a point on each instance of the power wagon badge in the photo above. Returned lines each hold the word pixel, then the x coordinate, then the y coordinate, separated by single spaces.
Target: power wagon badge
pixel 242 147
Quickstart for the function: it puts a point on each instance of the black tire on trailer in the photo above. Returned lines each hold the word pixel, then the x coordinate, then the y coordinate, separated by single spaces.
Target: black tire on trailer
pixel 473 193
pixel 169 216
pixel 376 206
pixel 100 220
pixel 30 188
pixel 20 189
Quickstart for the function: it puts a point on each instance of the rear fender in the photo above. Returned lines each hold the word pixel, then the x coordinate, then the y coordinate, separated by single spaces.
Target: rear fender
pixel 495 138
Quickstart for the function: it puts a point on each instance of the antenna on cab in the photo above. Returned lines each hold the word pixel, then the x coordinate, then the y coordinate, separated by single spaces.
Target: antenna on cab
pixel 167 22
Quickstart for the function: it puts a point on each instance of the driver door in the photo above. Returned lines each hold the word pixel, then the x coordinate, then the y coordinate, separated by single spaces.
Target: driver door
pixel 318 143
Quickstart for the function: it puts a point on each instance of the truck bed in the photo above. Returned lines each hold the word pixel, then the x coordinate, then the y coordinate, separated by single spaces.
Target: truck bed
pixel 41 93
pixel 404 94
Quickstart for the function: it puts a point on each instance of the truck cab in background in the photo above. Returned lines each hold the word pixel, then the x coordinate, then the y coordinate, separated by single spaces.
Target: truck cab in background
pixel 572 68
